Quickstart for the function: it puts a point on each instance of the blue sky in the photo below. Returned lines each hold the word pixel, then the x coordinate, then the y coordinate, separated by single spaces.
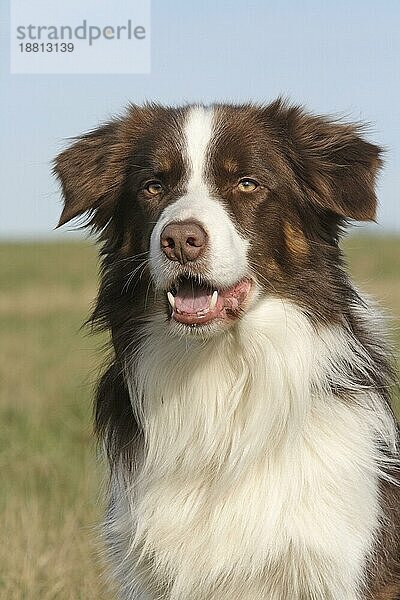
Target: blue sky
pixel 335 57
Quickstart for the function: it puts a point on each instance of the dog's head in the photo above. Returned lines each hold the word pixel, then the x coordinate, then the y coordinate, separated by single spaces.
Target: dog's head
pixel 223 204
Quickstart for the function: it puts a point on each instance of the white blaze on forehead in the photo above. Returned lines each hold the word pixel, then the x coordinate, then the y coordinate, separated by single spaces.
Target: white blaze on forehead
pixel 224 262
pixel 198 135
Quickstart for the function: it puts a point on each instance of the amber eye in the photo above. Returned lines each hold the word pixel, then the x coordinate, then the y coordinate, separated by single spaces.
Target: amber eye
pixel 154 188
pixel 247 185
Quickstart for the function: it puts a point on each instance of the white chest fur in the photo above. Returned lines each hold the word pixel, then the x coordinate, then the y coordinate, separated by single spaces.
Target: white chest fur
pixel 256 483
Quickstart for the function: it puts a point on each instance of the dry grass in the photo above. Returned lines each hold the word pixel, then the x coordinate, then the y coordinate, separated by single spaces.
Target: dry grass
pixel 50 475
pixel 50 493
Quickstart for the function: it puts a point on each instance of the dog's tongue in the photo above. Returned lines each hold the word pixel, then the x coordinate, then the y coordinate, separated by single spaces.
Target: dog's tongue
pixel 195 304
pixel 192 299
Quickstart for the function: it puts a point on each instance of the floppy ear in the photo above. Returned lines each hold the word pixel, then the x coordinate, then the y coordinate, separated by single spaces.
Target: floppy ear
pixel 91 173
pixel 337 168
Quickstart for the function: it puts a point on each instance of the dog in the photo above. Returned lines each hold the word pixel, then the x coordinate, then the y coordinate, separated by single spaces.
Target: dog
pixel 246 410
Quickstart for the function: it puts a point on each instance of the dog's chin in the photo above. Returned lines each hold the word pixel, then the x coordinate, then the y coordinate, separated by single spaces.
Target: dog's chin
pixel 196 306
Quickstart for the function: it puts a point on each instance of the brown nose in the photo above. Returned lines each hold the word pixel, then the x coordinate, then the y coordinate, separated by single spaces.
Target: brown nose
pixel 183 241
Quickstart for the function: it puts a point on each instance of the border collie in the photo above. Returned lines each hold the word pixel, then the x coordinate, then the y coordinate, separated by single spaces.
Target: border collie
pixel 245 414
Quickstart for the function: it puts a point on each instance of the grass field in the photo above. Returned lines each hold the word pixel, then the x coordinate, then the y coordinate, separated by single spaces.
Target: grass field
pixel 50 498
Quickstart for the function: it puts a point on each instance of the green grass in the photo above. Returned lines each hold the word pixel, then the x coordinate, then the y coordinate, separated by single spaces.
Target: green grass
pixel 50 493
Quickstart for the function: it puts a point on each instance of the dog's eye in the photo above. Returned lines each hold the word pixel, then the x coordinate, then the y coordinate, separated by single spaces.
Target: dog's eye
pixel 247 185
pixel 154 188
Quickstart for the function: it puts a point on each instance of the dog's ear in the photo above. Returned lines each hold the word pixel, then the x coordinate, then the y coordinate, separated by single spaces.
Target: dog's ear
pixel 91 173
pixel 335 166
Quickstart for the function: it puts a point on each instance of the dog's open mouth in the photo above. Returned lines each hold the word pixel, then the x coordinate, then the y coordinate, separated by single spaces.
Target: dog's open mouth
pixel 198 303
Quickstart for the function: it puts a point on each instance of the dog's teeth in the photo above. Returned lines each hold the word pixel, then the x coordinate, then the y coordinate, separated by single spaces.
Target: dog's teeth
pixel 171 299
pixel 214 299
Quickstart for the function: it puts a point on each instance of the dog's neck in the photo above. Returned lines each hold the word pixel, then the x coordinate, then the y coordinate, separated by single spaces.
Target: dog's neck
pixel 245 394
pixel 249 424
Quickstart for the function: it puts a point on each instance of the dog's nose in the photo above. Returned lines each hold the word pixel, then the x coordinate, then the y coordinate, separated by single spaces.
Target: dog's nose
pixel 183 241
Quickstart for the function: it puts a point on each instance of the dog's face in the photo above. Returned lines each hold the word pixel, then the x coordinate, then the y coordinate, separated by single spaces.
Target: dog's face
pixel 224 204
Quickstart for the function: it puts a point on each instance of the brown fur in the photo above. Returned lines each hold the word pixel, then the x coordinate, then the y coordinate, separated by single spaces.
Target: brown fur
pixel 390 592
pixel 315 175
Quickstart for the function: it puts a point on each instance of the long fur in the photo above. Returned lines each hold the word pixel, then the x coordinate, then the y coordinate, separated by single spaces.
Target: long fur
pixel 243 427
pixel 255 459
